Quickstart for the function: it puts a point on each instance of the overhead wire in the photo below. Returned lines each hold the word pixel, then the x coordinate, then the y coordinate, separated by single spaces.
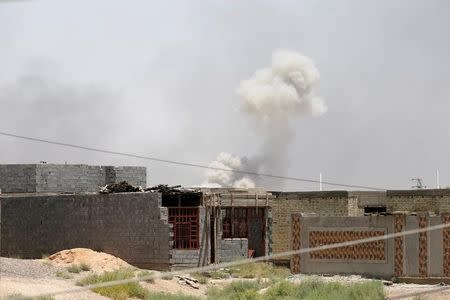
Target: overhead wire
pixel 187 164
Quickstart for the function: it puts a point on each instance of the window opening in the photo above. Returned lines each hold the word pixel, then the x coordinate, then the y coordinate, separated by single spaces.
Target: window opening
pixel 185 227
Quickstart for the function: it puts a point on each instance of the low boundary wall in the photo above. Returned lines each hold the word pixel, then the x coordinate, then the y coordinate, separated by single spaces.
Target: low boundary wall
pixel 421 255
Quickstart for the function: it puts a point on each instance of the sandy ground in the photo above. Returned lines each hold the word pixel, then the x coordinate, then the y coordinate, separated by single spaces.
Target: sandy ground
pixel 33 277
pixel 34 286
pixel 98 261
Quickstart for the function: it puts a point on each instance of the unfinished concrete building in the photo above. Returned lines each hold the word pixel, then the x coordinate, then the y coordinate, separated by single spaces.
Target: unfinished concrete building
pixel 161 228
pixel 218 225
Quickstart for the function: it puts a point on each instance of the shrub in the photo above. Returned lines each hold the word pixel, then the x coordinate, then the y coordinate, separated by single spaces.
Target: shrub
pixel 260 270
pixel 145 273
pixel 239 290
pixel 78 268
pixel 85 267
pixel 200 277
pixel 64 274
pixel 74 269
pixel 219 274
pixel 117 292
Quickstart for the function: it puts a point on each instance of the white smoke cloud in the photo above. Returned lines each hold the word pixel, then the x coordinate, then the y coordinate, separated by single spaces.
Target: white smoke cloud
pixel 285 89
pixel 273 96
pixel 222 178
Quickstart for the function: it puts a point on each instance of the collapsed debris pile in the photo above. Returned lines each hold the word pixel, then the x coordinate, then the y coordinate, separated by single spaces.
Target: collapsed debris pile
pixel 121 187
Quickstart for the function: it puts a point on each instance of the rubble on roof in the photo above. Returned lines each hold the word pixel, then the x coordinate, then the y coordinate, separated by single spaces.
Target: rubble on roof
pixel 121 187
pixel 172 190
pixel 125 187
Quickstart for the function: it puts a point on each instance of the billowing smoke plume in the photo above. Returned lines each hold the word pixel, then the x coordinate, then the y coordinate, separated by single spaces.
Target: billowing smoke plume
pixel 272 97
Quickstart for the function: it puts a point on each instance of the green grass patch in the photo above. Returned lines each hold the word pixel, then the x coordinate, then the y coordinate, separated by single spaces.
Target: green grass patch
pixel 74 269
pixel 64 275
pixel 238 290
pixel 202 278
pixel 145 273
pixel 163 296
pixel 220 274
pixel 117 292
pixel 260 270
pixel 312 290
pixel 78 268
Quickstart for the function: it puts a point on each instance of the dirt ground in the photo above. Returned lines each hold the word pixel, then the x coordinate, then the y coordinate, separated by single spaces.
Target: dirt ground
pixel 98 261
pixel 34 277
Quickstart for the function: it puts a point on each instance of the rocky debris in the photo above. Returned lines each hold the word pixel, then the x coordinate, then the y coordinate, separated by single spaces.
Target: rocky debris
pixel 121 187
pixel 188 281
pixel 31 268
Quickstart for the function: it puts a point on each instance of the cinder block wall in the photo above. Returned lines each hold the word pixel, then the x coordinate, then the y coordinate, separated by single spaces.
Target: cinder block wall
pixel 233 249
pixel 51 178
pixel 69 178
pixel 333 203
pixel 136 176
pixel 132 226
pixel 18 178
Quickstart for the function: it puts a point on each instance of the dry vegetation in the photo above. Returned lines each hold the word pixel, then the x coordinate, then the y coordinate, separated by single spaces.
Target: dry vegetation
pixel 255 281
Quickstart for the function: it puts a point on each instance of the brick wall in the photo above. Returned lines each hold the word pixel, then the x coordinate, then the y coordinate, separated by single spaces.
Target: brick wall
pixel 322 203
pixel 131 226
pixel 65 178
pixel 426 200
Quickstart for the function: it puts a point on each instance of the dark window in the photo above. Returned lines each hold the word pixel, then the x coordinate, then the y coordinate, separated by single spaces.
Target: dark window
pixel 235 222
pixel 185 227
pixel 374 209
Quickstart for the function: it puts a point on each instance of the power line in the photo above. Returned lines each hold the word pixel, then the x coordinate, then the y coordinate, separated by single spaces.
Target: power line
pixel 34 139
pixel 250 260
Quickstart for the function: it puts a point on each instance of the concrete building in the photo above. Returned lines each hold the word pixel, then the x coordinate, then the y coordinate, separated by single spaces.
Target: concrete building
pixel 162 228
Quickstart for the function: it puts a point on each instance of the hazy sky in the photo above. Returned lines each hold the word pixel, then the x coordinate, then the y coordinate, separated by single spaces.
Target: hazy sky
pixel 159 78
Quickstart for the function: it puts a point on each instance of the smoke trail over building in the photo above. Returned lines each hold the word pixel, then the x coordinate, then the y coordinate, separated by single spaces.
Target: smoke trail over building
pixel 272 98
